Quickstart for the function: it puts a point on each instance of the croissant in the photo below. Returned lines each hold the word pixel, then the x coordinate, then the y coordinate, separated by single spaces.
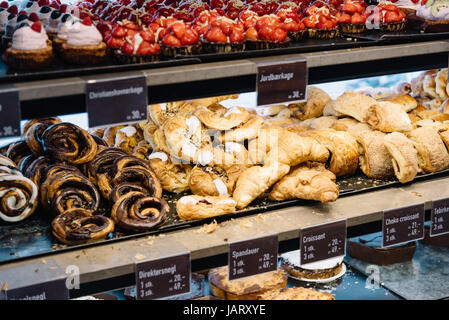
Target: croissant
pixel 403 156
pixel 309 182
pixel 256 180
pixel 246 131
pixel 354 104
pixel 222 119
pixel 388 117
pixel 316 101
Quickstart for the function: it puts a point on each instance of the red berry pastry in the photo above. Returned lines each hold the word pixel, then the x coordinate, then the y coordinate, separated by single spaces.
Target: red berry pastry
pixel 224 35
pixel 389 17
pixel 139 48
pixel 269 32
pixel 115 39
pixel 292 23
pixel 321 21
pixel 352 16
pixel 179 38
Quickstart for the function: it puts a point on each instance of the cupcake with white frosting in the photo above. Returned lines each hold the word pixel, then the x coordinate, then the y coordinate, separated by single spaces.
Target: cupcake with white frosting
pixel 84 44
pixel 44 14
pixel 3 17
pixel 30 48
pixel 30 7
pixel 53 23
pixel 9 26
pixel 67 21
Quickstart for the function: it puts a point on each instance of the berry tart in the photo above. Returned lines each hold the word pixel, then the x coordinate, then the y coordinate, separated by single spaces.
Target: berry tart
pixel 204 19
pixel 268 32
pixel 179 38
pixel 321 21
pixel 84 44
pixel 30 48
pixel 352 16
pixel 139 48
pixel 119 32
pixel 232 8
pixel 224 35
pixel 292 23
pixel 432 16
pixel 390 17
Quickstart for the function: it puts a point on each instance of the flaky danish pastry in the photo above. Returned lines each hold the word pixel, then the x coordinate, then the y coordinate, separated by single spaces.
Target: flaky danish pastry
pixel 128 138
pixel 245 131
pixel 407 102
pixel 160 112
pixel 343 149
pixel 222 119
pixel 441 84
pixel 201 207
pixel 388 117
pixel 404 156
pixel 354 104
pixel 307 181
pixel 256 180
pixel 316 101
pixel 432 153
pixel 173 177
pixel 214 181
pixel 110 133
pixel 230 153
pixel 374 159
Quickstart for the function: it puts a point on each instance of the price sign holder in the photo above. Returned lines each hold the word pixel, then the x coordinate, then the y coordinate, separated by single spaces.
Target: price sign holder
pixel 251 257
pixel 281 81
pixel 34 282
pixel 322 242
pixel 119 100
pixel 439 218
pixel 403 225
pixel 163 277
pixel 10 114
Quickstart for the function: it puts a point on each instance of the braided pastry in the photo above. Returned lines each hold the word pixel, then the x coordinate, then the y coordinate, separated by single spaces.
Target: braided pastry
pixel 136 211
pixel 18 197
pixel 70 143
pixel 77 226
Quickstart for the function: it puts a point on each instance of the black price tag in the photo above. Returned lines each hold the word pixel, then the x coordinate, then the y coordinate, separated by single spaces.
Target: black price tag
pixel 282 82
pixel 161 278
pixel 250 257
pixel 322 242
pixel 52 290
pixel 439 217
pixel 402 225
pixel 9 112
pixel 113 101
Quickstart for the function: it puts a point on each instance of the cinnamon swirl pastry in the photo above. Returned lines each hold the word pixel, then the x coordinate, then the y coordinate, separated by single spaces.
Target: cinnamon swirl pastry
pixel 33 138
pixel 139 176
pixel 8 166
pixel 123 189
pixel 18 197
pixel 202 207
pixel 137 211
pixel 99 141
pixel 173 177
pixel 78 226
pixel 37 170
pixel 17 151
pixel 403 156
pixel 68 142
pixel 47 121
pixel 222 118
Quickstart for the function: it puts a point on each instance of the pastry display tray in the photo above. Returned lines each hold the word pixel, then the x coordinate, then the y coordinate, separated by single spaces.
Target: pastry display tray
pixel 33 237
pixel 403 36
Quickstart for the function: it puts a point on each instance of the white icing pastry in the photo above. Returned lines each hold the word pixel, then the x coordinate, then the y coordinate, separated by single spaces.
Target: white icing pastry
pixel 129 131
pixel 188 199
pixel 205 157
pixel 81 35
pixel 26 38
pixel 233 147
pixel 189 149
pixel 227 201
pixel 221 187
pixel 158 155
pixel 192 124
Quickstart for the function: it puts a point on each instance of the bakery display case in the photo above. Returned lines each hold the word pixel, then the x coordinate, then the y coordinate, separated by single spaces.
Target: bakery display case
pixel 201 166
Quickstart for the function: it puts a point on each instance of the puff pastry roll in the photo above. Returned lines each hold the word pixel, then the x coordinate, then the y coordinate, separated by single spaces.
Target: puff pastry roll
pixel 374 159
pixel 407 102
pixel 404 156
pixel 222 118
pixel 429 86
pixel 433 115
pixel 256 180
pixel 316 101
pixel 354 104
pixel 388 117
pixel 443 131
pixel 200 207
pixel 432 153
pixel 309 182
pixel 344 155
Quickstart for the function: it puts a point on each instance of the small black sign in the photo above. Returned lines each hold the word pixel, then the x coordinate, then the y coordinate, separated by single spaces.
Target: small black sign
pixel 163 277
pixel 402 225
pixel 112 101
pixel 52 290
pixel 439 217
pixel 254 256
pixel 322 242
pixel 9 112
pixel 283 82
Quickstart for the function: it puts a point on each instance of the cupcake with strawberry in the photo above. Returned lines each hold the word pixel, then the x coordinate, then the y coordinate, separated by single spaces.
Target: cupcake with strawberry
pixel 321 21
pixel 224 35
pixel 352 16
pixel 84 44
pixel 139 48
pixel 389 17
pixel 268 32
pixel 179 38
pixel 30 48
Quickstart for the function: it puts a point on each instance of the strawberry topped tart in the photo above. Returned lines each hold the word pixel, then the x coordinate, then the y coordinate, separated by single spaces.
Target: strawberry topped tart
pixel 224 35
pixel 179 38
pixel 352 16
pixel 139 48
pixel 268 32
pixel 389 16
pixel 321 21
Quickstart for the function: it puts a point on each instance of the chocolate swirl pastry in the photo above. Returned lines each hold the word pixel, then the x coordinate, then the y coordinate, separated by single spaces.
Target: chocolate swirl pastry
pixel 17 151
pixel 36 171
pixel 65 189
pixel 99 141
pixel 136 211
pixel 77 226
pixel 47 121
pixel 7 166
pixel 18 197
pixel 68 142
pixel 139 176
pixel 33 137
pixel 4 149
pixel 123 189
pixel 26 162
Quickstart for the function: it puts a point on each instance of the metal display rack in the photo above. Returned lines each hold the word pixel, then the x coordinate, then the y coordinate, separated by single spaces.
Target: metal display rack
pixel 105 267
